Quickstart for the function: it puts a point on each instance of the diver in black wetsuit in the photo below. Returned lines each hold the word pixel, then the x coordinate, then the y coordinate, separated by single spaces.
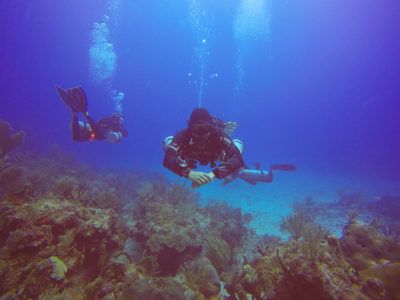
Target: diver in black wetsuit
pixel 207 141
pixel 109 128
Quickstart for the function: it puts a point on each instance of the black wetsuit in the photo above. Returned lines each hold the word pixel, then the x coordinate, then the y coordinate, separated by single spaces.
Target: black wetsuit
pixel 99 129
pixel 181 155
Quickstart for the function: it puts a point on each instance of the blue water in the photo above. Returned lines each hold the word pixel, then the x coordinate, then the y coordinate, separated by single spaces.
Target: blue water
pixel 315 83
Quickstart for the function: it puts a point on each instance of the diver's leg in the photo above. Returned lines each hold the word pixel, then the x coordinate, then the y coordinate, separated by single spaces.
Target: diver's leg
pixel 80 130
pixel 93 125
pixel 75 127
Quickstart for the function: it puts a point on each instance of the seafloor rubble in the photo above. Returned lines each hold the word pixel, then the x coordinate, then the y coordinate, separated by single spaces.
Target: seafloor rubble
pixel 68 232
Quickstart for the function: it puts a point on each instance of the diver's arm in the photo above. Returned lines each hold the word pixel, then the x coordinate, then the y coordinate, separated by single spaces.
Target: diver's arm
pixel 234 160
pixel 172 159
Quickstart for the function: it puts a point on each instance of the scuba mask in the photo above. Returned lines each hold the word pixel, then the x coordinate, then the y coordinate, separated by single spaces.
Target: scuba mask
pixel 201 133
pixel 200 130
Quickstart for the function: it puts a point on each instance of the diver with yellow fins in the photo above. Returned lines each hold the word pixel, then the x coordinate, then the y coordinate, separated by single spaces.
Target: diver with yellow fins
pixel 207 140
pixel 109 128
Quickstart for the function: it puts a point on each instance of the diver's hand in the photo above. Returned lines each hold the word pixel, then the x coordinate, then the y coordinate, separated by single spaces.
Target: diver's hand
pixel 211 175
pixel 200 178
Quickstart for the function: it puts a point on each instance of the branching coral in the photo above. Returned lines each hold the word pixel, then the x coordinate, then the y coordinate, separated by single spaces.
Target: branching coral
pixel 202 276
pixel 217 250
pixel 230 222
pixel 295 224
pixel 313 236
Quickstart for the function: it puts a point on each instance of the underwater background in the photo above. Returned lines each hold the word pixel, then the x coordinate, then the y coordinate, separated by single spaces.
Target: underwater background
pixel 313 83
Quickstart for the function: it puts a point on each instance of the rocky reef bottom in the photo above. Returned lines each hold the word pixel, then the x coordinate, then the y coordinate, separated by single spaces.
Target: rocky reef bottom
pixel 69 232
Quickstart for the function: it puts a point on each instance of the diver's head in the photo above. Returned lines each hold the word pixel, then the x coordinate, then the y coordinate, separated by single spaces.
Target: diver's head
pixel 200 115
pixel 200 127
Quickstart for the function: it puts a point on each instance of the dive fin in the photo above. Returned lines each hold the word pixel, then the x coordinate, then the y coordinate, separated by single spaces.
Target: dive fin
pixel 66 98
pixel 79 98
pixel 75 98
pixel 283 167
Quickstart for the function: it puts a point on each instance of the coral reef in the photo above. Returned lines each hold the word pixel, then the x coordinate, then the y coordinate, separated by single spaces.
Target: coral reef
pixel 293 273
pixel 364 246
pixel 177 234
pixel 43 240
pixel 76 238
pixel 363 264
pixel 28 176
pixel 68 232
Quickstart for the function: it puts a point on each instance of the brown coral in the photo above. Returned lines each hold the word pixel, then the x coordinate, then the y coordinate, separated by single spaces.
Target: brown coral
pixel 362 244
pixel 9 141
pixel 80 236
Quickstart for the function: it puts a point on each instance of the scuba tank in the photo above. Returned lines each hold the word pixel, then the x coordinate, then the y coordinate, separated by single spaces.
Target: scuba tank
pixel 254 176
pixel 114 137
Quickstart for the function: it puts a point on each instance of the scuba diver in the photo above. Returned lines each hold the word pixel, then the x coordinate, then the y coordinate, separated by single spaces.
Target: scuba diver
pixel 207 140
pixel 109 128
